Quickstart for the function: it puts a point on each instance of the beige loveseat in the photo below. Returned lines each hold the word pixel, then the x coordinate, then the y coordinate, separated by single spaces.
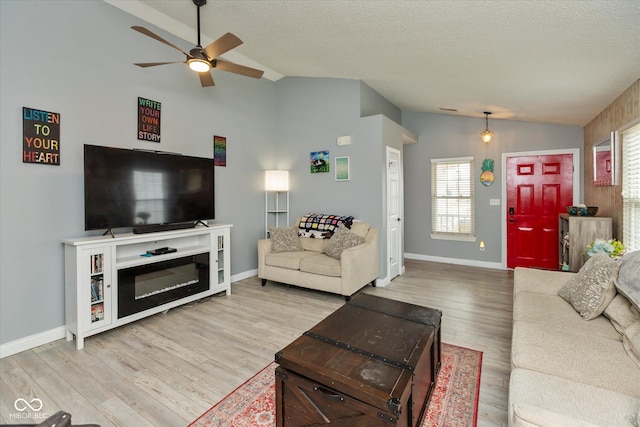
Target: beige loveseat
pixel 311 268
pixel 568 371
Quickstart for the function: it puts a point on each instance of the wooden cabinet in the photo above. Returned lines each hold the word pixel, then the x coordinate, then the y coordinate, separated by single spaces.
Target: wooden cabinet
pixel 576 232
pixel 100 271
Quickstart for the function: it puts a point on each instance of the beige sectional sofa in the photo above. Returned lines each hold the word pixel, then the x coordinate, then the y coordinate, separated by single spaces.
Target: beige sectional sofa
pixel 568 371
pixel 309 266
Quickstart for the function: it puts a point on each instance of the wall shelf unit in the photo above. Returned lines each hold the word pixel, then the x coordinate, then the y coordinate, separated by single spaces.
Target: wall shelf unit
pixel 93 266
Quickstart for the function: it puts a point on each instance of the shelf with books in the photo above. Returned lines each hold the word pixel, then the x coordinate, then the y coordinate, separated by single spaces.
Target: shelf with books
pixel 95 277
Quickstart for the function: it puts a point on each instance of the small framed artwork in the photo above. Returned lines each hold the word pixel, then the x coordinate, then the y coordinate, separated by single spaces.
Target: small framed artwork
pixel 219 150
pixel 319 161
pixel 342 169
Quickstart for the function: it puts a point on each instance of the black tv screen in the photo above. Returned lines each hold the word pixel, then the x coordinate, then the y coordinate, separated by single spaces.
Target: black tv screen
pixel 134 188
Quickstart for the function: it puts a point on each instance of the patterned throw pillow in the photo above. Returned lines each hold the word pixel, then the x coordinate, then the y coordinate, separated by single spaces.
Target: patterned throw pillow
pixel 628 280
pixel 592 289
pixel 342 239
pixel 284 239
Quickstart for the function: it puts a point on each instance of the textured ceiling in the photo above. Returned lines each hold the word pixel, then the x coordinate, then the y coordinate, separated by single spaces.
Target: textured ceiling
pixel 558 61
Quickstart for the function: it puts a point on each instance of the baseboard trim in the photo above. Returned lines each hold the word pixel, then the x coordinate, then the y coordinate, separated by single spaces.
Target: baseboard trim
pixel 32 341
pixel 457 261
pixel 244 275
pixel 42 338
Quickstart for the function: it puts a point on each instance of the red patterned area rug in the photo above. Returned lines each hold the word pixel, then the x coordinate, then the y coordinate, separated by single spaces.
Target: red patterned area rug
pixel 454 402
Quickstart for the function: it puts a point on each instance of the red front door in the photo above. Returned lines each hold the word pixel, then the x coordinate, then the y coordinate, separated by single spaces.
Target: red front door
pixel 538 189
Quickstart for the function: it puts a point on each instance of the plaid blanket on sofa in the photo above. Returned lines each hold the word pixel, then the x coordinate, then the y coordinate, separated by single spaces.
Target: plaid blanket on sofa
pixel 319 226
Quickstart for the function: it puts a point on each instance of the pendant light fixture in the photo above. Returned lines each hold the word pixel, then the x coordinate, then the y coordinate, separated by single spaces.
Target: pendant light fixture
pixel 487 134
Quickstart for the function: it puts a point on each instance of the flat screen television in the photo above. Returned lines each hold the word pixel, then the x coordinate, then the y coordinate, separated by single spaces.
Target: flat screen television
pixel 145 189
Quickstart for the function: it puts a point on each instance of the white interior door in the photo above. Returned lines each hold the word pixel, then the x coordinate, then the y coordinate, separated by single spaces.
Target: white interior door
pixel 394 212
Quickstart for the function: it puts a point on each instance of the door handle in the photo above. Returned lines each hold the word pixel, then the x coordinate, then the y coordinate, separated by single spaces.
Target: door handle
pixel 399 219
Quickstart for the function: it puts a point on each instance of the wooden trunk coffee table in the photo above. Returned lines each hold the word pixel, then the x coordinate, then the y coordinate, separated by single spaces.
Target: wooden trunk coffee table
pixel 373 362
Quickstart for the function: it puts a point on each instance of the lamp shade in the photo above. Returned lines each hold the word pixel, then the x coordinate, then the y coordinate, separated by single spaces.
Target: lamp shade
pixel 276 180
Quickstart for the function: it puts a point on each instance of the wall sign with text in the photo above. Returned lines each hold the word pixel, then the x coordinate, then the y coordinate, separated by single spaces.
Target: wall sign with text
pixel 40 136
pixel 148 120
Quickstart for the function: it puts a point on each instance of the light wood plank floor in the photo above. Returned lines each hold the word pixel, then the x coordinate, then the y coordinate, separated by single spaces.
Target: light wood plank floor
pixel 170 368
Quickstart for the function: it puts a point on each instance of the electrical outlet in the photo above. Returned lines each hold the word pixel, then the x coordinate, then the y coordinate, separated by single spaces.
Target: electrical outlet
pixel 494 202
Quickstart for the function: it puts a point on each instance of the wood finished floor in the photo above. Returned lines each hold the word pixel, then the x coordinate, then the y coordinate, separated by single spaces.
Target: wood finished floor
pixel 170 368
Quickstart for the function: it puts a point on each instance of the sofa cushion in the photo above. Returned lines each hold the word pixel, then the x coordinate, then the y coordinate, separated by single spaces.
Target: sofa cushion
pixel 321 264
pixel 621 313
pixel 628 280
pixel 582 357
pixel 290 260
pixel 360 228
pixel 341 240
pixel 592 289
pixel 539 281
pixel 309 244
pixel 577 401
pixel 284 239
pixel 532 416
pixel 553 311
pixel 631 342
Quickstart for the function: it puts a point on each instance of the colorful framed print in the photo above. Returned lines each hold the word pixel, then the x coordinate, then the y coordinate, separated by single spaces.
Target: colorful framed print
pixel 319 161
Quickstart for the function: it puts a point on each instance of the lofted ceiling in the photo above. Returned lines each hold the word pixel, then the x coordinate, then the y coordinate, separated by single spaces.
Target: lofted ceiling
pixel 551 61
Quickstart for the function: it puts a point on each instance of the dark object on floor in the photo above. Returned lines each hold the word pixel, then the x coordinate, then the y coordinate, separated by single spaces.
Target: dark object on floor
pixel 59 419
pixel 373 362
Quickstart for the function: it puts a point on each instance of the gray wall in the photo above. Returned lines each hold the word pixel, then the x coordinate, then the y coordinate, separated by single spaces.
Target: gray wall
pixel 312 113
pixel 442 136
pixel 41 47
pixel 372 103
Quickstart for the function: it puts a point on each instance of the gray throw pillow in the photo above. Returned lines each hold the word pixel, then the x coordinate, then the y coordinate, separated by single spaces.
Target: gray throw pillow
pixel 284 239
pixel 342 239
pixel 628 281
pixel 592 289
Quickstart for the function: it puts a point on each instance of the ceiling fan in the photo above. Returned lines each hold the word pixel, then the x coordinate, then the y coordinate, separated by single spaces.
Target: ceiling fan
pixel 202 60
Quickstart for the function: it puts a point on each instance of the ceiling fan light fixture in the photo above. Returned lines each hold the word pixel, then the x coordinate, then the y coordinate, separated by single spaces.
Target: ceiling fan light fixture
pixel 199 65
pixel 487 135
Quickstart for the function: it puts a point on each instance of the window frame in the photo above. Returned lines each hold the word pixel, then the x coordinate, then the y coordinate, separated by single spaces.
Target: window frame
pixel 453 235
pixel 630 202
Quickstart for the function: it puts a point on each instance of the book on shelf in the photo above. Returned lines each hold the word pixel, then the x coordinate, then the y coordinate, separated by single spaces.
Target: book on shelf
pixel 94 292
pixel 97 263
pixel 97 289
pixel 97 312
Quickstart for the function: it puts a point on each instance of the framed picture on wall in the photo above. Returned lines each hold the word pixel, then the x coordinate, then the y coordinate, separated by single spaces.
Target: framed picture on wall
pixel 342 169
pixel 319 161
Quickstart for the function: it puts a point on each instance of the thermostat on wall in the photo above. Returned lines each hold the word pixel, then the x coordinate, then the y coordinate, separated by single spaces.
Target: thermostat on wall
pixel 344 140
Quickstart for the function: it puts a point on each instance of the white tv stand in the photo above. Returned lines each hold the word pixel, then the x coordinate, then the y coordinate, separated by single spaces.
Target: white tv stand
pixel 92 265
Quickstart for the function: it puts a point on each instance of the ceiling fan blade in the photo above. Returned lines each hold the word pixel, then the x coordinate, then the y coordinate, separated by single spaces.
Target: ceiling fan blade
pixel 222 45
pixel 153 64
pixel 206 79
pixel 238 69
pixel 157 37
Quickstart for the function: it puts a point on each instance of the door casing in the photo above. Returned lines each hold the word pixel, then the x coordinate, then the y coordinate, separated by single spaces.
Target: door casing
pixel 395 229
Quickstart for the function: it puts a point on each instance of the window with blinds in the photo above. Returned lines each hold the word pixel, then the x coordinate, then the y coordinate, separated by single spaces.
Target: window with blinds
pixel 631 188
pixel 452 199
